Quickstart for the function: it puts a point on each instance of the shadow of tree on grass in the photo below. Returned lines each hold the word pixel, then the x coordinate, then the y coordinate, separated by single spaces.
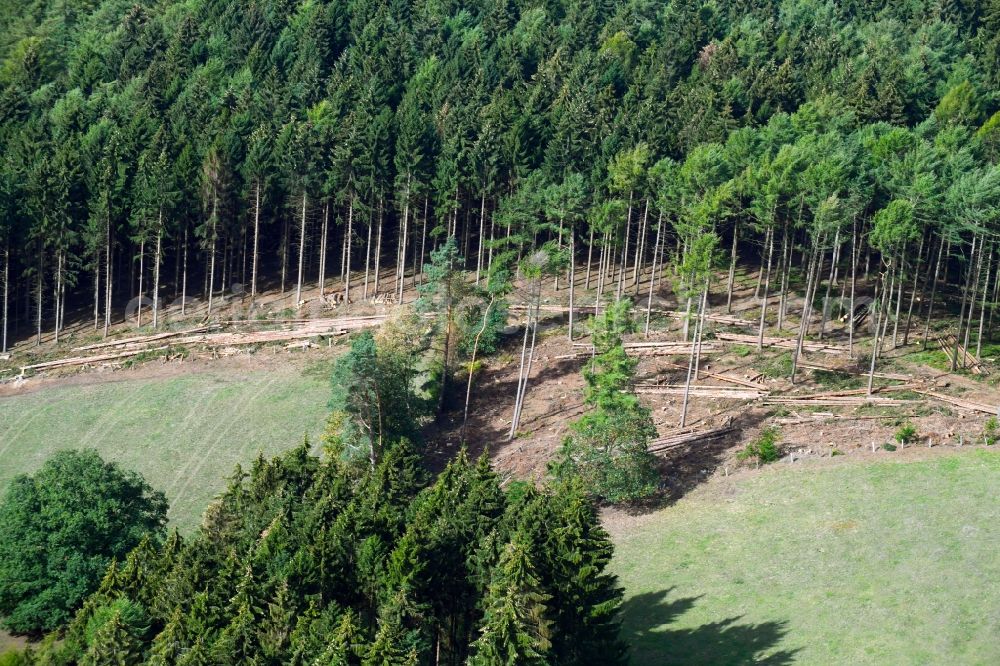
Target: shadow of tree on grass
pixel 646 620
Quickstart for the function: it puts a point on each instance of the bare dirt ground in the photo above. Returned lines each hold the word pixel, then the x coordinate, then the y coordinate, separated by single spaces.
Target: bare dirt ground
pixel 808 436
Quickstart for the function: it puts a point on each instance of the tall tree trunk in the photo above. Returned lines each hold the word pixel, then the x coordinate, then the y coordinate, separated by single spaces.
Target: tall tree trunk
pixel 785 267
pixel 472 361
pixel 482 233
pixel 324 234
pixel 489 248
pixel 913 290
pixel 812 281
pixel 590 258
pixel 767 285
pixel 732 269
pixel 55 296
pixel 156 273
pixel 854 282
pixel 368 254
pixel 302 250
pixel 97 287
pixel 572 279
pixel 640 248
pixel 520 376
pixel 347 261
pixel 343 255
pixel 6 291
pixel 652 275
pixel 39 297
pixel 899 292
pixel 184 275
pixel 934 284
pixel 601 274
pixel 829 284
pixel 142 256
pixel 972 298
pixel 965 293
pixel 378 243
pixel 211 265
pixel 559 245
pixel 401 254
pixel 522 384
pixel 993 304
pixel 659 262
pixel 701 329
pixel 256 244
pixel 243 260
pixel 414 244
pixel 893 272
pixel 694 352
pixel 628 229
pixel 982 309
pixel 883 323
pixel 423 239
pixel 284 252
pixel 107 279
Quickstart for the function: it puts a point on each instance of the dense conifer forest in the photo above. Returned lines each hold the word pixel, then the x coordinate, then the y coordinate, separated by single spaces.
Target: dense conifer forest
pixel 310 561
pixel 178 149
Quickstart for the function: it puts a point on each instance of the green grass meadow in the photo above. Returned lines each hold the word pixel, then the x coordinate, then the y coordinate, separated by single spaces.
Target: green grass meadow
pixel 849 563
pixel 884 563
pixel 184 433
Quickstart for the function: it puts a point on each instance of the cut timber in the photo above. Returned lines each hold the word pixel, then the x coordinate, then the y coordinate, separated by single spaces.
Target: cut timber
pixel 781 343
pixel 703 391
pixel 818 417
pixel 754 382
pixel 142 339
pixel 292 329
pixel 85 360
pixel 578 309
pixel 728 320
pixel 863 391
pixel 837 401
pixel 964 404
pixel 260 337
pixel 672 348
pixel 855 371
pixel 684 436
pixel 968 361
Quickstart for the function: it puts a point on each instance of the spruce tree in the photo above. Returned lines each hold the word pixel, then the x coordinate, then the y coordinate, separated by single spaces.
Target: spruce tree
pixel 113 645
pixel 515 629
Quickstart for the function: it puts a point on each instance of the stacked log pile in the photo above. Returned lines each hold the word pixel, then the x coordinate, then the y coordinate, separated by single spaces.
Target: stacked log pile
pixel 969 405
pixel 684 436
pixel 205 337
pixel 702 391
pixel 965 359
pixel 781 343
pixel 666 348
pixel 808 365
